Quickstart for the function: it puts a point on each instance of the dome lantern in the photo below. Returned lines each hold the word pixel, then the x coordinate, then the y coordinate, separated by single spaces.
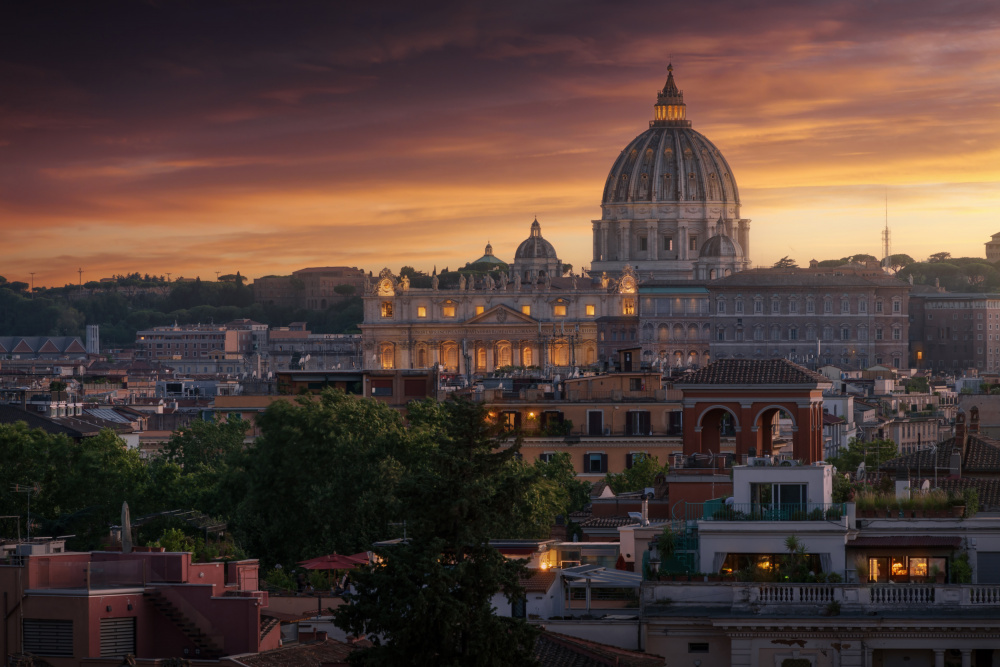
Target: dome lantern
pixel 670 110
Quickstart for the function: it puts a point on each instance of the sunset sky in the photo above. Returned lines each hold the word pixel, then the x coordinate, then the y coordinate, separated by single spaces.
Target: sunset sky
pixel 201 136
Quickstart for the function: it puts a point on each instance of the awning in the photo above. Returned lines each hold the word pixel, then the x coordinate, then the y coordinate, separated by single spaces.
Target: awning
pixel 600 577
pixel 905 542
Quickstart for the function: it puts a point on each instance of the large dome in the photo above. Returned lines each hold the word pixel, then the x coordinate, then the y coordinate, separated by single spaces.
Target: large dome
pixel 667 194
pixel 670 162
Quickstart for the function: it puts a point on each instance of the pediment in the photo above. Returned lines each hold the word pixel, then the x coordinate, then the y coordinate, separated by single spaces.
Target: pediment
pixel 501 315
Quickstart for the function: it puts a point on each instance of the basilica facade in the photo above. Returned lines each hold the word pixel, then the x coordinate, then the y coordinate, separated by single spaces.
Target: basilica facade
pixel 529 317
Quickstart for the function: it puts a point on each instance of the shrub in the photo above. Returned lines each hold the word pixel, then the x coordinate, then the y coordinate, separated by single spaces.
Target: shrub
pixel 971 495
pixel 961 571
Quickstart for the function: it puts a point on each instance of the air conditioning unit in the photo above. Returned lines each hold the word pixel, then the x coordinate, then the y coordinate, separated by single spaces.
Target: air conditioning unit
pixel 607 431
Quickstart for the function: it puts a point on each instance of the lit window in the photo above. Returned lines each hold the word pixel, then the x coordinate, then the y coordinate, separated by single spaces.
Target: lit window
pixel 628 307
pixel 590 309
pixel 421 311
pixel 448 311
pixel 668 243
pixel 387 309
pixel 526 310
pixel 559 311
pixel 480 310
pixel 693 245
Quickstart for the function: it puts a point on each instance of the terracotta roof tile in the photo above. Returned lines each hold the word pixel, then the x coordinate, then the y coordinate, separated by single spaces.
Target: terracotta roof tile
pixel 555 650
pixel 752 372
pixel 607 522
pixel 317 654
pixel 981 455
pixel 540 581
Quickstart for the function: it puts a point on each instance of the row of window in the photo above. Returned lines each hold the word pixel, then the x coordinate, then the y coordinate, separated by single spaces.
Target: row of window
pixel 449 310
pixel 810 306
pixel 792 333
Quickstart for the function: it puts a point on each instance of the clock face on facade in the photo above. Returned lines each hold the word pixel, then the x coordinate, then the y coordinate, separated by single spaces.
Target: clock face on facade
pixel 628 285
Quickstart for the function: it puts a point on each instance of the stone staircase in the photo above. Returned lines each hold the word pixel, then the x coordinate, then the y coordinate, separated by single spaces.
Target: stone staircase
pixel 205 647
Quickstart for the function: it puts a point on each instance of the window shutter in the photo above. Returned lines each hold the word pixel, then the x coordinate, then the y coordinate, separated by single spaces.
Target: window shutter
pixel 628 460
pixel 604 462
pixel 644 427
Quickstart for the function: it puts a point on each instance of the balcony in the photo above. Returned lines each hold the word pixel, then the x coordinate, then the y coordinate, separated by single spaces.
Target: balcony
pixel 818 599
pixel 720 511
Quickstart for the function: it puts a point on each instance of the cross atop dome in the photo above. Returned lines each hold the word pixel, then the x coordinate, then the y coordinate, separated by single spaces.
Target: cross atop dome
pixel 670 109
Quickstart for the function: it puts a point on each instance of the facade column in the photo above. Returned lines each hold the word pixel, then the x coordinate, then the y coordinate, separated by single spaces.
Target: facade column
pixel 597 240
pixel 626 244
pixel 605 230
pixel 939 657
pixel 682 233
pixel 515 352
pixel 653 241
pixel 490 357
pixel 966 657
pixel 868 656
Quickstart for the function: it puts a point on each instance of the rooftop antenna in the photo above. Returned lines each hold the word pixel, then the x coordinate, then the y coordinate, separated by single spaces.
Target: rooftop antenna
pixel 886 238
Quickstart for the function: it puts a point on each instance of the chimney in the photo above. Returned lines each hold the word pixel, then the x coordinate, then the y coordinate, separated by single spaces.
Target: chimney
pixel 645 511
pixel 960 432
pixel 974 420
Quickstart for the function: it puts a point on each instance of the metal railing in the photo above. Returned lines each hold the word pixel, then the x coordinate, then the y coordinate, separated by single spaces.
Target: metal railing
pixel 720 511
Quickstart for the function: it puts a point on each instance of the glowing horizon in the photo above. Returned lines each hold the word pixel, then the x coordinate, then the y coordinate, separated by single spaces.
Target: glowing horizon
pixel 296 136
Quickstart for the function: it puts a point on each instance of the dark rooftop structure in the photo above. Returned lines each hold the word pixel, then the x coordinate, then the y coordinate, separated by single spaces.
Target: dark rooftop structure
pixel 752 372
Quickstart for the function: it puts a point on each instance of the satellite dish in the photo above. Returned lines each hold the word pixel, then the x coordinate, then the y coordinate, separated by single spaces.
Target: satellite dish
pixel 861 470
pixel 926 485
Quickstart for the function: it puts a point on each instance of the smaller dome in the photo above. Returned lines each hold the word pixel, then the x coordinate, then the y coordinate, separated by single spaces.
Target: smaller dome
pixel 489 258
pixel 535 247
pixel 721 246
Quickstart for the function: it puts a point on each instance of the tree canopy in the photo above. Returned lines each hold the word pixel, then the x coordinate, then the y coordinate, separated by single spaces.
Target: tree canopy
pixel 430 599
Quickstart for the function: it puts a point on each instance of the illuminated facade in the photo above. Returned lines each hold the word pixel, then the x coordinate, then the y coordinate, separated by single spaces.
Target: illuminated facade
pixel 480 326
pixel 671 207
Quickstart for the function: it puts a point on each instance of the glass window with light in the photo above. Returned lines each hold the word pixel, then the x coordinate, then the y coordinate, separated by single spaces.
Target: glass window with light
pixel 386 309
pixel 480 310
pixel 590 309
pixel 448 311
pixel 421 311
pixel 559 310
pixel 628 307
pixel 526 310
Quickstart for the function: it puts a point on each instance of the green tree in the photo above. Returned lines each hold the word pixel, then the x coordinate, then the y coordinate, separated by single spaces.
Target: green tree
pixel 896 262
pixel 429 601
pixel 873 453
pixel 322 477
pixel 202 444
pixel 641 475
pixel 939 257
pixel 786 263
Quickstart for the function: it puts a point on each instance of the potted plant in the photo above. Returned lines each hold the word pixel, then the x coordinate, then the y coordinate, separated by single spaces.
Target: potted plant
pixel 936 574
pixel 861 567
pixel 957 503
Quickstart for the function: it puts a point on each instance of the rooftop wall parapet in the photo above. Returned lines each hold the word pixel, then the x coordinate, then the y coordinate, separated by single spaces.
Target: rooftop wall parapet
pixel 661 598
